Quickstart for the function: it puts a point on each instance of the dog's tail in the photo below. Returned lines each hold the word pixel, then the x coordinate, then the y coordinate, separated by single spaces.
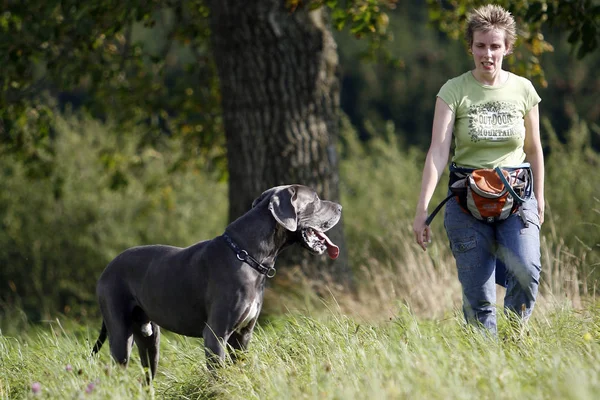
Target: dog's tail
pixel 100 340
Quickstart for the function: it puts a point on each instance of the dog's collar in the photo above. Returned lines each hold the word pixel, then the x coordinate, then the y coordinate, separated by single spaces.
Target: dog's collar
pixel 243 255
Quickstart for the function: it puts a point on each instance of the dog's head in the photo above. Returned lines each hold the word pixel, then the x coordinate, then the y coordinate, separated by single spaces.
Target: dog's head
pixel 298 209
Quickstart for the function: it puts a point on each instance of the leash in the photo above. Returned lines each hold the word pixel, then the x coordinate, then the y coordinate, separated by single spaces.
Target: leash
pixel 437 209
pixel 243 255
pixel 515 196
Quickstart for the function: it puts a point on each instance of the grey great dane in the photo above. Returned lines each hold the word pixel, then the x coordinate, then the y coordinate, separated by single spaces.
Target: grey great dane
pixel 212 289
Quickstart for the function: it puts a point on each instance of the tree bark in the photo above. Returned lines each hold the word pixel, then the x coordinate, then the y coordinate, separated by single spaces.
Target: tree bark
pixel 280 88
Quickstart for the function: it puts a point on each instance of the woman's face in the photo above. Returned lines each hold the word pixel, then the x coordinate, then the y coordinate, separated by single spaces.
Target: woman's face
pixel 489 49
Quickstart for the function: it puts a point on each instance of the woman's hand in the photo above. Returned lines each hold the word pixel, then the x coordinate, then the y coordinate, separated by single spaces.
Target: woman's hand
pixel 422 231
pixel 541 206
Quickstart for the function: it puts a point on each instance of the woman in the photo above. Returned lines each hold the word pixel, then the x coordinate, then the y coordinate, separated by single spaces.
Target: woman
pixel 493 115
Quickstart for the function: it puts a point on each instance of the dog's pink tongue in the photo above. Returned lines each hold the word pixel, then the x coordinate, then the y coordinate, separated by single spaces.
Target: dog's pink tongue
pixel 332 250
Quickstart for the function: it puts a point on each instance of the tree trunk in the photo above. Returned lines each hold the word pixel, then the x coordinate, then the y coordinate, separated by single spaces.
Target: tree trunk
pixel 280 96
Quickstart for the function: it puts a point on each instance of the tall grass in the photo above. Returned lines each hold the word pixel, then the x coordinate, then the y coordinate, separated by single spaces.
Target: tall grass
pixel 330 356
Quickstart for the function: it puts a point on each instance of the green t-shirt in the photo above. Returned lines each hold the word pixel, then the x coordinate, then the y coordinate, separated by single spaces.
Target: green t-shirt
pixel 489 125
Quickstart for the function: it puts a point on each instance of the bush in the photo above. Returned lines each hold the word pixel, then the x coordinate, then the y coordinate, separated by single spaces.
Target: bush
pixel 105 193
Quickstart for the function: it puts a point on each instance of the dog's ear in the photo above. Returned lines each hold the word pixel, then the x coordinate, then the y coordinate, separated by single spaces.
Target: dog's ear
pixel 283 209
pixel 265 194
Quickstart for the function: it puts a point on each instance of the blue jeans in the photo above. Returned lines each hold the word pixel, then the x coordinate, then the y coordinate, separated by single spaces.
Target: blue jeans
pixel 506 252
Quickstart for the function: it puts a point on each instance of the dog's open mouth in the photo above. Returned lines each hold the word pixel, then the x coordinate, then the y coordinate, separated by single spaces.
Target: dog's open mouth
pixel 319 242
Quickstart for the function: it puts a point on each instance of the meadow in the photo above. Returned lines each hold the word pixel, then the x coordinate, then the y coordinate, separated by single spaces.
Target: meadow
pixel 331 355
pixel 399 335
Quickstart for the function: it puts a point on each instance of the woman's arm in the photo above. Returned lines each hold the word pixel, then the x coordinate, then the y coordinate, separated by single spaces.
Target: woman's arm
pixel 436 161
pixel 535 156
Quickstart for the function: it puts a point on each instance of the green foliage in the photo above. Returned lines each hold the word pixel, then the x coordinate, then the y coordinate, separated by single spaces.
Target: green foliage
pixel 366 19
pixel 137 63
pixel 573 199
pixel 327 356
pixel 374 94
pixel 104 194
pixel 580 19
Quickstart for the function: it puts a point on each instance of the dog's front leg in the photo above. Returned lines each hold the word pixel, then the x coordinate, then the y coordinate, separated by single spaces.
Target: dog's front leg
pixel 214 346
pixel 238 341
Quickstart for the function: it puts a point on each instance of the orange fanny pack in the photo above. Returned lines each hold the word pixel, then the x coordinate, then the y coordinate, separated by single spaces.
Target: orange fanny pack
pixel 489 195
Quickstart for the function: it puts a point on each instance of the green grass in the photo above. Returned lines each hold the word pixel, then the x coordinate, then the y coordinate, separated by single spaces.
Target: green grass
pixel 328 356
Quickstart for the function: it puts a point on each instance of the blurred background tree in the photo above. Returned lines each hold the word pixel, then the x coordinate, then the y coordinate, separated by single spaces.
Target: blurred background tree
pixel 278 69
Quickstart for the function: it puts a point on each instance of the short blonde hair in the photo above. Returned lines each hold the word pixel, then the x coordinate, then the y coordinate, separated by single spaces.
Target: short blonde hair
pixel 489 17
